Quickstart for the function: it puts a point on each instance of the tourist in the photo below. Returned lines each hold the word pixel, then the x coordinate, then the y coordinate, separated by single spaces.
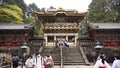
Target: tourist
pixel 29 62
pixel 93 57
pixel 56 43
pixel 116 63
pixel 66 44
pixel 15 60
pixel 49 62
pixel 44 61
pixel 7 59
pixel 101 63
pixel 23 58
pixel 38 60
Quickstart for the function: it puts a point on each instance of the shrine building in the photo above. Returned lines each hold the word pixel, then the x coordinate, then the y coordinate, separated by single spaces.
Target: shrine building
pixel 60 24
pixel 108 34
pixel 14 36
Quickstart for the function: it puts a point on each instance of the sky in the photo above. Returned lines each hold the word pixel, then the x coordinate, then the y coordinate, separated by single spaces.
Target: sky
pixel 79 5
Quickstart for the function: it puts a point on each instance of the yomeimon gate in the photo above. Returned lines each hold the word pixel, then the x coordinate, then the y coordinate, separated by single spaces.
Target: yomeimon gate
pixel 60 24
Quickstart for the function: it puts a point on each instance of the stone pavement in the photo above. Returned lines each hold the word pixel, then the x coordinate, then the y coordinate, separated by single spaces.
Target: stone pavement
pixel 74 66
pixel 71 66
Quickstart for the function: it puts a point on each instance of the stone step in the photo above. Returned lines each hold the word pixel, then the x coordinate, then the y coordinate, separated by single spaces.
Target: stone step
pixel 73 63
pixel 69 63
pixel 34 50
pixel 70 57
pixel 55 53
pixel 75 59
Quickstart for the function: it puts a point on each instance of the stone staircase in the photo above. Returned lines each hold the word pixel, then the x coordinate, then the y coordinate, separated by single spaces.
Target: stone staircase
pixel 55 53
pixel 70 57
pixel 34 49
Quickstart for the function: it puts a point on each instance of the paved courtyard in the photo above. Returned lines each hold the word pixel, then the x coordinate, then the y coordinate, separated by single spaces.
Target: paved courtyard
pixel 74 66
pixel 71 66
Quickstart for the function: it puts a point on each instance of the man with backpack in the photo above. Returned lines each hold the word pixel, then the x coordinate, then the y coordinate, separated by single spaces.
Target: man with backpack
pixel 38 60
pixel 15 61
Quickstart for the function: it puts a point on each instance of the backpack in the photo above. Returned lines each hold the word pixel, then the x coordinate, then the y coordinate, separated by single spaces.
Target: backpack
pixel 15 59
pixel 102 66
pixel 49 61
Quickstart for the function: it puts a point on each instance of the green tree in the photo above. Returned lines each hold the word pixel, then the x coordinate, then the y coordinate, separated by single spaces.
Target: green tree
pixel 115 6
pixel 30 16
pixel 30 19
pixel 10 13
pixel 96 11
pixel 38 27
pixel 104 11
pixel 9 1
pixel 31 8
pixel 19 3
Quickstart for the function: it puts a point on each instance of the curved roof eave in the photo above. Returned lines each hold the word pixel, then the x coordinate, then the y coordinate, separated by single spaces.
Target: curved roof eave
pixel 55 13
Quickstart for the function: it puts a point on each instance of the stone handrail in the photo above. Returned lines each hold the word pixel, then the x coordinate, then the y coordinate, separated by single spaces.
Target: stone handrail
pixel 40 50
pixel 61 64
pixel 84 57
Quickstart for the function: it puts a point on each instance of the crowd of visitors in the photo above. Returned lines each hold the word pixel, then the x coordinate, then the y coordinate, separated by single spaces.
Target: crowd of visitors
pixel 38 61
pixel 61 43
pixel 102 63
pixel 30 61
